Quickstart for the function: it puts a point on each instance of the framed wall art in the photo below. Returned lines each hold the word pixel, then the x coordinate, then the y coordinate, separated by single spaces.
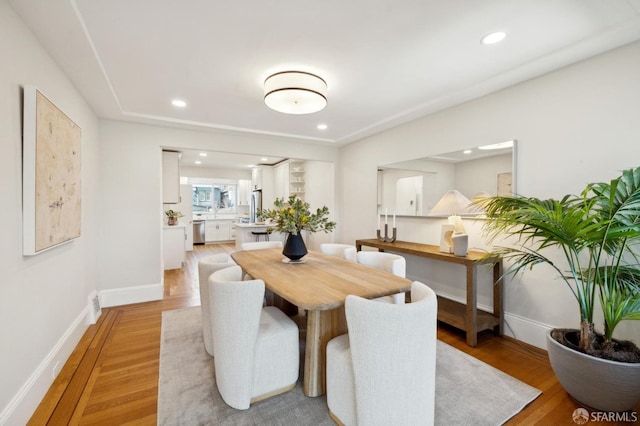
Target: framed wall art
pixel 51 175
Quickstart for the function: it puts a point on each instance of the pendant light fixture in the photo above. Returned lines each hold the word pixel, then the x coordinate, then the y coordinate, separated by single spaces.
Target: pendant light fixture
pixel 295 92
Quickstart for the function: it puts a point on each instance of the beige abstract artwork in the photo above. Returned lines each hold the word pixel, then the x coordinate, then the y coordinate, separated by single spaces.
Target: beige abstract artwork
pixel 57 179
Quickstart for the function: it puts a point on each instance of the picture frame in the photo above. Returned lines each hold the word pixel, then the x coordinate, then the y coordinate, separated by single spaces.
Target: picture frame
pixel 51 175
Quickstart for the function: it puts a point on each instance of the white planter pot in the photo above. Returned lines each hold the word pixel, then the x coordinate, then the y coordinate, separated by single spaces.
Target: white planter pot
pixel 597 383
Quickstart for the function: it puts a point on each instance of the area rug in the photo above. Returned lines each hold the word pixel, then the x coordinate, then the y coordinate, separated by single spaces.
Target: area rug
pixel 468 391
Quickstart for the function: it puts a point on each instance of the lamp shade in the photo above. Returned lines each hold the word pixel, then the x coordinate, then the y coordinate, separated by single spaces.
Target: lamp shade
pixel 452 203
pixel 295 92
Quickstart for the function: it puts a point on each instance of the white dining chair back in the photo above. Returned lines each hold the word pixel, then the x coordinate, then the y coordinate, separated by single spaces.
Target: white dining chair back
pixel 259 245
pixel 393 263
pixel 383 371
pixel 345 251
pixel 256 349
pixel 207 266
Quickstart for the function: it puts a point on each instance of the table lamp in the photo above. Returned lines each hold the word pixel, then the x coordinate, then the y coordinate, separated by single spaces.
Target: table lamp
pixel 453 237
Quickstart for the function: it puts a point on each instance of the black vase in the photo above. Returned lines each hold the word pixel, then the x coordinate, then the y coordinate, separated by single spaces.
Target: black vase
pixel 294 247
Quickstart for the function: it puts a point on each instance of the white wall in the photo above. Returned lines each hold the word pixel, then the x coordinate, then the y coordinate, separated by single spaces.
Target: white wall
pixel 573 126
pixel 131 211
pixel 44 302
pixel 320 191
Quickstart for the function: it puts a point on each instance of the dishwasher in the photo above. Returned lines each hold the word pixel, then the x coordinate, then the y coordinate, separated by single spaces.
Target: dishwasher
pixel 198 231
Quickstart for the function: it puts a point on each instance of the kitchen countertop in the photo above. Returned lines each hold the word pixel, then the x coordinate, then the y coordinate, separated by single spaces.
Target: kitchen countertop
pixel 219 217
pixel 252 225
pixel 179 225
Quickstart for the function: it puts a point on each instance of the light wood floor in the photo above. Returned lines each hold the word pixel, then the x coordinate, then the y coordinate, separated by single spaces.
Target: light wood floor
pixel 112 376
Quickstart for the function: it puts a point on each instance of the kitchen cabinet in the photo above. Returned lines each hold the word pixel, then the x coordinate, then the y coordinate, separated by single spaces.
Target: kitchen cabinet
pixel 217 230
pixel 171 177
pixel 281 180
pixel 244 192
pixel 262 178
pixel 256 178
pixel 173 252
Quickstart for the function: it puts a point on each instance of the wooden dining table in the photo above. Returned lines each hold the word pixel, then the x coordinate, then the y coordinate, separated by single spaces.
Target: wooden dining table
pixel 319 285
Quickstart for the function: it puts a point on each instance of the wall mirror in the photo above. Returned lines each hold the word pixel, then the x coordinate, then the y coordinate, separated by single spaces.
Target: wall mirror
pixel 412 188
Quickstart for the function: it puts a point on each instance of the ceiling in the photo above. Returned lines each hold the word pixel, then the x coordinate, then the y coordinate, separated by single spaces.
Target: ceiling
pixel 225 160
pixel 385 61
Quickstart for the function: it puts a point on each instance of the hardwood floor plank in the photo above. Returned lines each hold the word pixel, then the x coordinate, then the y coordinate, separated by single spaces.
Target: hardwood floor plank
pixel 121 386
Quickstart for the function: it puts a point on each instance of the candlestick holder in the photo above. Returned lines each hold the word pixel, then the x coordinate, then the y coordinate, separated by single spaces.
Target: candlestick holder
pixel 386 237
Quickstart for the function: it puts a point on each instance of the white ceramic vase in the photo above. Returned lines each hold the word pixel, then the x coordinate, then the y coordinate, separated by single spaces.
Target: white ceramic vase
pixel 460 244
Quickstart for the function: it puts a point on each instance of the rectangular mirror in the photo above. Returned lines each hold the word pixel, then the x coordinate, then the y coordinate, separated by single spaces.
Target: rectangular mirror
pixel 412 188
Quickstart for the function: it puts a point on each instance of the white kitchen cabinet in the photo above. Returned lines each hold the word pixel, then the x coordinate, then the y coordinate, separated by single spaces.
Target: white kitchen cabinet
pixel 256 178
pixel 173 253
pixel 262 178
pixel 217 230
pixel 281 180
pixel 244 192
pixel 170 177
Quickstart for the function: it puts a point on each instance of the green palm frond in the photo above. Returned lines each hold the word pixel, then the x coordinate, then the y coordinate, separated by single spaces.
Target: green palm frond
pixel 598 232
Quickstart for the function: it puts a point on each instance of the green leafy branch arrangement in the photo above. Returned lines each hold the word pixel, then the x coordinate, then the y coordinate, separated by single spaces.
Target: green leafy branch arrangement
pixel 294 215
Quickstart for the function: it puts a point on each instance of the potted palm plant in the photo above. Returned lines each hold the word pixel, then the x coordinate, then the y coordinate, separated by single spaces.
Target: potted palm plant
pixel 598 234
pixel 292 217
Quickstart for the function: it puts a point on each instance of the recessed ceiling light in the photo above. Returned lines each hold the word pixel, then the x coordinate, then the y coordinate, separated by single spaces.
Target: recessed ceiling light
pixel 251 165
pixel 178 103
pixel 507 144
pixel 322 126
pixel 203 154
pixel 264 159
pixel 493 38
pixel 466 151
pixel 198 162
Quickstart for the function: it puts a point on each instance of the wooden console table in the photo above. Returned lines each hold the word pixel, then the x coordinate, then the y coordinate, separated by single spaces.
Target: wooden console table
pixel 465 317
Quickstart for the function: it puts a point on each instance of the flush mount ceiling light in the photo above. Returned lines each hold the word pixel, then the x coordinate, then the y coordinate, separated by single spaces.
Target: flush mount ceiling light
pixel 493 38
pixel 295 92
pixel 178 103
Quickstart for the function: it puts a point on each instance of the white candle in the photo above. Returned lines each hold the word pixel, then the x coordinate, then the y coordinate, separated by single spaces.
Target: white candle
pixel 394 218
pixel 385 216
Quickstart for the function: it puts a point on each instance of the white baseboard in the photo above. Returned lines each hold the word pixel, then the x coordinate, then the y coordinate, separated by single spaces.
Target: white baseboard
pixel 24 403
pixel 526 330
pixel 129 295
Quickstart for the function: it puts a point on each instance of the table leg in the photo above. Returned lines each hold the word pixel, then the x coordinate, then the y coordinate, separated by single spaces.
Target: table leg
pixel 471 314
pixel 498 311
pixel 322 326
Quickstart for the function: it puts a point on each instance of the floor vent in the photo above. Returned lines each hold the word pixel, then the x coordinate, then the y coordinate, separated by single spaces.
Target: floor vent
pixel 94 308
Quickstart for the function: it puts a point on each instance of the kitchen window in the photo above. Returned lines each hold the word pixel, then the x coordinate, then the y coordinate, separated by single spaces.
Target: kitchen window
pixel 221 198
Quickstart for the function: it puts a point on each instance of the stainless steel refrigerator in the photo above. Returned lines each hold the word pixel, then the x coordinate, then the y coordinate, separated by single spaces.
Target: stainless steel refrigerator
pixel 255 206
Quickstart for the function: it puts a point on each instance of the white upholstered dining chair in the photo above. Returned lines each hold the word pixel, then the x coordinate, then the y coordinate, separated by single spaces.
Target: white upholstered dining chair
pixel 259 245
pixel 269 298
pixel 207 266
pixel 393 263
pixel 256 350
pixel 345 251
pixel 383 371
